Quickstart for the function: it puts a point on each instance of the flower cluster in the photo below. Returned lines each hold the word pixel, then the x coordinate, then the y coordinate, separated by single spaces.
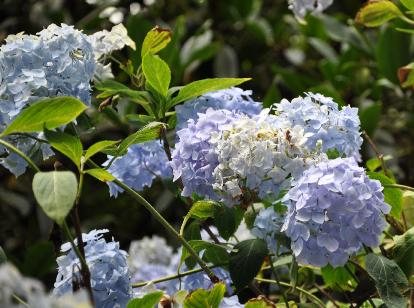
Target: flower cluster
pixel 110 276
pixel 233 99
pixel 323 123
pixel 139 167
pixel 333 210
pixel 301 7
pixel 259 155
pixel 194 158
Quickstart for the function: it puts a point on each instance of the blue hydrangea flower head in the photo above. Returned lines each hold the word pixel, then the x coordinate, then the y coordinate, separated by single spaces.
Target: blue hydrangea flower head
pixel 194 158
pixel 233 99
pixel 323 121
pixel 110 276
pixel 140 166
pixel 333 210
pixel 267 226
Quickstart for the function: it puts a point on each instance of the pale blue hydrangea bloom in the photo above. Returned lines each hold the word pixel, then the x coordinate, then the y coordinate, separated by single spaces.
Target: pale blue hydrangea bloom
pixel 324 123
pixel 302 7
pixel 231 302
pixel 333 210
pixel 233 99
pixel 110 276
pixel 267 226
pixel 200 280
pixel 139 167
pixel 194 158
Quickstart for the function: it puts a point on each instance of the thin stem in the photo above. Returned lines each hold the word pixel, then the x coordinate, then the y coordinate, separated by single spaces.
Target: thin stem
pixel 165 223
pixel 407 20
pixel 20 300
pixel 278 282
pixel 21 154
pixel 379 155
pixel 75 247
pixel 307 293
pixel 403 187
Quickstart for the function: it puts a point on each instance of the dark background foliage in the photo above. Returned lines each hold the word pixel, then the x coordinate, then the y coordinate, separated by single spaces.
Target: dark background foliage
pixel 250 38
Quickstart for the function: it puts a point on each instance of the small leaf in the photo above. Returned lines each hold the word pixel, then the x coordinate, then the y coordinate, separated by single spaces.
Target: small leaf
pixel 404 252
pixel 111 87
pixel 55 192
pixel 377 12
pixel 197 299
pixel 200 210
pixel 155 40
pixel 217 253
pixel 201 87
pixel 147 133
pixel 101 174
pixel 68 145
pixel 261 302
pixel 389 279
pixel 48 113
pixel 98 147
pixel 409 4
pixel 392 196
pixel 157 73
pixel 147 301
pixel 216 294
pixel 337 277
pixel 246 260
pixel 373 164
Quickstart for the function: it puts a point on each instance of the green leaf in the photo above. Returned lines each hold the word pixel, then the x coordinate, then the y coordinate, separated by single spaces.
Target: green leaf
pixel 200 210
pixel 214 253
pixel 373 164
pixel 227 220
pixel 100 174
pixel 377 12
pixel 261 303
pixel 246 260
pixel 197 299
pixel 191 233
pixel 3 257
pixel 55 192
pixel 392 196
pixel 98 147
pixel 111 87
pixel 370 117
pixel 157 73
pixel 216 294
pixel 68 145
pixel 201 87
pixel 155 40
pixel 147 301
pixel 404 251
pixel 389 279
pixel 409 4
pixel 147 133
pixel 335 277
pixel 49 113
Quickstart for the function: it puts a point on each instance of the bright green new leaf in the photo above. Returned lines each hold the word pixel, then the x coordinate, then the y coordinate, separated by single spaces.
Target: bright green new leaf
pixel 200 210
pixel 261 303
pixel 197 299
pixel 157 73
pixel 98 147
pixel 201 87
pixel 246 260
pixel 68 145
pixel 147 133
pixel 409 4
pixel 392 196
pixel 337 277
pixel 216 294
pixel 155 40
pixel 55 191
pixel 48 113
pixel 100 174
pixel 404 251
pixel 147 301
pixel 389 279
pixel 377 12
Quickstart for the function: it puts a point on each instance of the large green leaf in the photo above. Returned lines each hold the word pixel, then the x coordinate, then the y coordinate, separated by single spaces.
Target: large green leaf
pixel 377 12
pixel 246 260
pixel 68 145
pixel 155 40
pixel 389 279
pixel 48 113
pixel 227 220
pixel 147 133
pixel 147 301
pixel 55 191
pixel 98 147
pixel 392 196
pixel 404 252
pixel 157 73
pixel 201 87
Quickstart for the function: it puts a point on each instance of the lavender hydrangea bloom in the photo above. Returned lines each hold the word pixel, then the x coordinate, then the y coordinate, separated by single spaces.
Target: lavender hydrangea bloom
pixel 301 7
pixel 322 121
pixel 140 166
pixel 110 276
pixel 334 209
pixel 233 99
pixel 267 226
pixel 194 158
